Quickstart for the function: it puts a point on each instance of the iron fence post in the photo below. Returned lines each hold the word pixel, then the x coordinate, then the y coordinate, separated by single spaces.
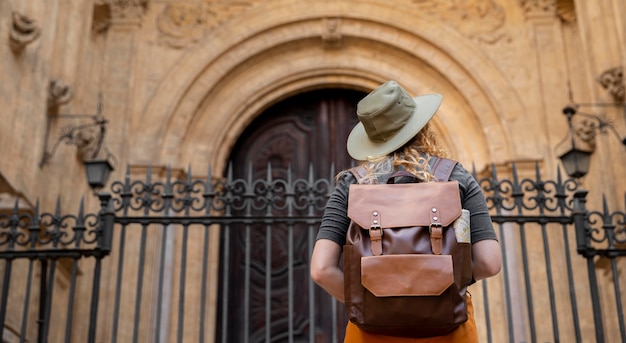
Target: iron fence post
pixel 579 214
pixel 107 220
pixel 586 249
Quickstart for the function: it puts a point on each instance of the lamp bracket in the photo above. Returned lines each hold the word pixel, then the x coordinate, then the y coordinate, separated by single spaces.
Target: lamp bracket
pixel 87 135
pixel 601 123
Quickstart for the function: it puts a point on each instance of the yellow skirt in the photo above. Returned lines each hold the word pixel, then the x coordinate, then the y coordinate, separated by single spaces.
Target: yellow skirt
pixel 466 333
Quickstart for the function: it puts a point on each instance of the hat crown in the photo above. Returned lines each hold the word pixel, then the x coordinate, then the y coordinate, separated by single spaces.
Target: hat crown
pixel 385 111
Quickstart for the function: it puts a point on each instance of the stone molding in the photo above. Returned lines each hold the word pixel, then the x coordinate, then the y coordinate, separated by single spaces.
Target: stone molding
pixel 24 30
pixel 539 7
pixel 613 81
pixel 121 12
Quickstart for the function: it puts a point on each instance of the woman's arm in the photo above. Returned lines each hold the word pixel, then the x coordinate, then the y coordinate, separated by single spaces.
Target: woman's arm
pixel 325 269
pixel 486 258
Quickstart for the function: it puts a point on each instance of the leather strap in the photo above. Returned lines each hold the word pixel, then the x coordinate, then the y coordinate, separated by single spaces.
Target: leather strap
pixel 436 236
pixel 359 173
pixel 376 235
pixel 436 231
pixel 442 169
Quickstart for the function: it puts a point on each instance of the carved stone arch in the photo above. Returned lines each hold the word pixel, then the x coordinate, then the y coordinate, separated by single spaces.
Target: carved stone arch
pixel 219 87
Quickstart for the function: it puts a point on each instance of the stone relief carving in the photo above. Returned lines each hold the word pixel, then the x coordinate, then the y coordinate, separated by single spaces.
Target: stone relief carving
pixel 183 24
pixel 23 31
pixel 585 134
pixel 539 7
pixel 613 81
pixel 331 32
pixel 478 19
pixel 58 93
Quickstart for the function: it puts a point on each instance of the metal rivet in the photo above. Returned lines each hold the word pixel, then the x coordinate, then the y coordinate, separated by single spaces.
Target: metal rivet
pixel 434 210
pixel 375 214
pixel 375 221
pixel 435 218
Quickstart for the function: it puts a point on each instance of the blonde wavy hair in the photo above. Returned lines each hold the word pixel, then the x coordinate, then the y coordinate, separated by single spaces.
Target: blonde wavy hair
pixel 413 157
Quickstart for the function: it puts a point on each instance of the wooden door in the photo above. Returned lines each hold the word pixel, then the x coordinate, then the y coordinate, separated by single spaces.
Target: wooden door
pixel 308 129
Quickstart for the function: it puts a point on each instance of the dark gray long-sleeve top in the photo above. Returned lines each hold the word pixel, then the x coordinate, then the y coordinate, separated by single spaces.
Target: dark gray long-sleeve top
pixel 335 220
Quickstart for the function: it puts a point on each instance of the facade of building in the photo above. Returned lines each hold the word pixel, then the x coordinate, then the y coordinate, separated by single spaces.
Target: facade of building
pixel 188 85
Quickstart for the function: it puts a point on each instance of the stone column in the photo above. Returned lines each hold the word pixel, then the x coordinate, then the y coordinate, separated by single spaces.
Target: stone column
pixel 118 72
pixel 120 21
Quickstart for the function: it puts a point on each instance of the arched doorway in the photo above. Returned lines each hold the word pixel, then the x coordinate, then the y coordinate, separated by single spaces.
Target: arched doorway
pixel 309 129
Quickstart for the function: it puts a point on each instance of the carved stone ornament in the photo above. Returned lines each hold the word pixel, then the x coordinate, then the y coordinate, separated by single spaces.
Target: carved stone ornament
pixel 183 24
pixel 23 31
pixel 585 134
pixel 613 81
pixel 59 93
pixel 478 19
pixel 582 137
pixel 539 7
pixel 331 32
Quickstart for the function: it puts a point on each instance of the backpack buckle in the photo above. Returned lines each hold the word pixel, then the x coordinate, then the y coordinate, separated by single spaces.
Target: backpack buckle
pixel 374 228
pixel 430 227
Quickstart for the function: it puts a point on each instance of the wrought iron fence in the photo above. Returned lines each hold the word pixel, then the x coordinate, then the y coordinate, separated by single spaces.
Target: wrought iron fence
pixel 226 259
pixel 45 244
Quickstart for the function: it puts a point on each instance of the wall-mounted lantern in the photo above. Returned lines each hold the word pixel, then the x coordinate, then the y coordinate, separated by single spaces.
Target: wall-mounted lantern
pixel 98 172
pixel 576 149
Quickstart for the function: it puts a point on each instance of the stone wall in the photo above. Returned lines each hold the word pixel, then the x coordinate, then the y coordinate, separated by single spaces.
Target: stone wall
pixel 179 81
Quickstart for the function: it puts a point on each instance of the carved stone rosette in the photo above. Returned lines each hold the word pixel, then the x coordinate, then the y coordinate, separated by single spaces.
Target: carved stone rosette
pixel 23 31
pixel 613 81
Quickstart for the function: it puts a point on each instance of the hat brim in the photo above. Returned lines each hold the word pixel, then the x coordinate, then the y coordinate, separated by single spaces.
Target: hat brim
pixel 361 148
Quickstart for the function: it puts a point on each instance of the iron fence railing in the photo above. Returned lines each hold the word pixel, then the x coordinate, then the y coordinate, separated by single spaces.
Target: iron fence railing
pixel 45 240
pixel 163 281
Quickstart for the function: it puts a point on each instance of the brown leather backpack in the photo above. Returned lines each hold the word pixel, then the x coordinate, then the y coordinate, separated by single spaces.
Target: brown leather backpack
pixel 405 272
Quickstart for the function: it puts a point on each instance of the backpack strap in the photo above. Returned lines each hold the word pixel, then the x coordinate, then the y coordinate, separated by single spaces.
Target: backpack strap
pixel 359 173
pixel 443 167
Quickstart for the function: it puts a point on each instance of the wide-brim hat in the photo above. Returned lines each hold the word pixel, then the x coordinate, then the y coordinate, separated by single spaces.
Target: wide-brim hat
pixel 388 119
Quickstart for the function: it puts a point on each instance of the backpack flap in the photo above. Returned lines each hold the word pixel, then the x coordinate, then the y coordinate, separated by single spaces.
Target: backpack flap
pixel 405 204
pixel 407 274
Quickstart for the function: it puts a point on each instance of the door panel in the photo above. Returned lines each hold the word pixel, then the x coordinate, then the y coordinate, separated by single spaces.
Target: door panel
pixel 308 129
